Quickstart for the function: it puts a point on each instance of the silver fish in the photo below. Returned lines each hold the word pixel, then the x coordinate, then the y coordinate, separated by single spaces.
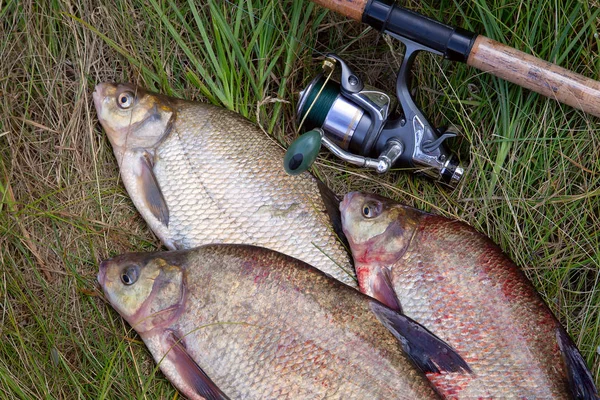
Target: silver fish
pixel 201 174
pixel 247 322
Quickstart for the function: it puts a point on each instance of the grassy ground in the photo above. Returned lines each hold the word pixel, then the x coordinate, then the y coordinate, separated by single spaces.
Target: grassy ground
pixel 532 179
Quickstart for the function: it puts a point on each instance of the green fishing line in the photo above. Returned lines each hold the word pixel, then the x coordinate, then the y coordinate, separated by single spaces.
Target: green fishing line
pixel 317 114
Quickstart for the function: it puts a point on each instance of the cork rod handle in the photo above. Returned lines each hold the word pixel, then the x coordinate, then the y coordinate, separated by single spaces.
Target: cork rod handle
pixel 350 8
pixel 532 73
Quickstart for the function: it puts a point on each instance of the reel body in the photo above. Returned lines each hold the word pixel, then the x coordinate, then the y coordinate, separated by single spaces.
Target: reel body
pixel 354 124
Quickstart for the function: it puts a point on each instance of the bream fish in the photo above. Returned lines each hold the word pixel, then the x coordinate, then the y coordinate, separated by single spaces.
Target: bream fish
pixel 201 174
pixel 238 321
pixel 457 283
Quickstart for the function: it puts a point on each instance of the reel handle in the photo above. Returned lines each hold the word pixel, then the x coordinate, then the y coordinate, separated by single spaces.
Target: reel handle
pixel 303 152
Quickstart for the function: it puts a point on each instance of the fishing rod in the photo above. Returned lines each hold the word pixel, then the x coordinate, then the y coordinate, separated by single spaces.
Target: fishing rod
pixel 353 122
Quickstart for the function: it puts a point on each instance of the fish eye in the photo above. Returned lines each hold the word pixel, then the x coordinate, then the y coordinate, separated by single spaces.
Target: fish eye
pixel 125 100
pixel 130 275
pixel 371 210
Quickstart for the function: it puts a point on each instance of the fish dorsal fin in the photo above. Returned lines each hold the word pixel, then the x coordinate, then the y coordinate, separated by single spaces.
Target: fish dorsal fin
pixel 428 352
pixel 150 190
pixel 581 381
pixel 382 289
pixel 190 372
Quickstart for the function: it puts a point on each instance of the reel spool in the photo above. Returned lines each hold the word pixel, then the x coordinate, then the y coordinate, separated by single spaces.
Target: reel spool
pixel 322 105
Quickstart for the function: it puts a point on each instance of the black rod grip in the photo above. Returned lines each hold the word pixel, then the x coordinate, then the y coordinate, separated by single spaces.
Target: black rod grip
pixel 454 43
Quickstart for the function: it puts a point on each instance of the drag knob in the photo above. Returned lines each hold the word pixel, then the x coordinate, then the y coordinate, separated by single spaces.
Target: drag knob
pixel 302 153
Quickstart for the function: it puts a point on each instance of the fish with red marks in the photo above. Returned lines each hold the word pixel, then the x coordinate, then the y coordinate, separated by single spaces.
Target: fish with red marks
pixel 462 287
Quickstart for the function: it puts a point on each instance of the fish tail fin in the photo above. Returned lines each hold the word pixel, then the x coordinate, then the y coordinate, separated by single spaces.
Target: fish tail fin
pixel 581 382
pixel 428 352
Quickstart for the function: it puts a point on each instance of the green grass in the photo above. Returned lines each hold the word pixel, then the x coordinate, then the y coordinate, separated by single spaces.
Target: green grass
pixel 532 181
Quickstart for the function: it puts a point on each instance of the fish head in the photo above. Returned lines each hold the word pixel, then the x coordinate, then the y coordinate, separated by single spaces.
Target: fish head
pixel 145 289
pixel 131 116
pixel 378 229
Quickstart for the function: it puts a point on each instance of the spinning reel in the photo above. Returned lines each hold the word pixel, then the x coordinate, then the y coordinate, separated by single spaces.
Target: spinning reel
pixel 353 123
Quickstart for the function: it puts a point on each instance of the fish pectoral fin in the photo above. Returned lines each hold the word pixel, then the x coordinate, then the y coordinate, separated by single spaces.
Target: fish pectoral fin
pixel 581 382
pixel 190 372
pixel 150 191
pixel 383 290
pixel 428 352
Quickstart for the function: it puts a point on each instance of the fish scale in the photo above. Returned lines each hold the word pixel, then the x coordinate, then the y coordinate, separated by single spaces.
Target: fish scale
pixel 264 332
pixel 497 363
pixel 188 163
pixel 215 177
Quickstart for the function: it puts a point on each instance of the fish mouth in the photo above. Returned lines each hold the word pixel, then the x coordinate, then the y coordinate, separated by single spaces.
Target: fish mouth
pixel 346 202
pixel 98 95
pixel 102 272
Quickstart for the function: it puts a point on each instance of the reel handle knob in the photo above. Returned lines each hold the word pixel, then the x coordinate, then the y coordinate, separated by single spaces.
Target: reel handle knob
pixel 302 153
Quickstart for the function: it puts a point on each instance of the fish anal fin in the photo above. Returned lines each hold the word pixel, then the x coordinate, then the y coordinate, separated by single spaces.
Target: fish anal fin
pixel 190 372
pixel 383 290
pixel 150 190
pixel 428 352
pixel 581 382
